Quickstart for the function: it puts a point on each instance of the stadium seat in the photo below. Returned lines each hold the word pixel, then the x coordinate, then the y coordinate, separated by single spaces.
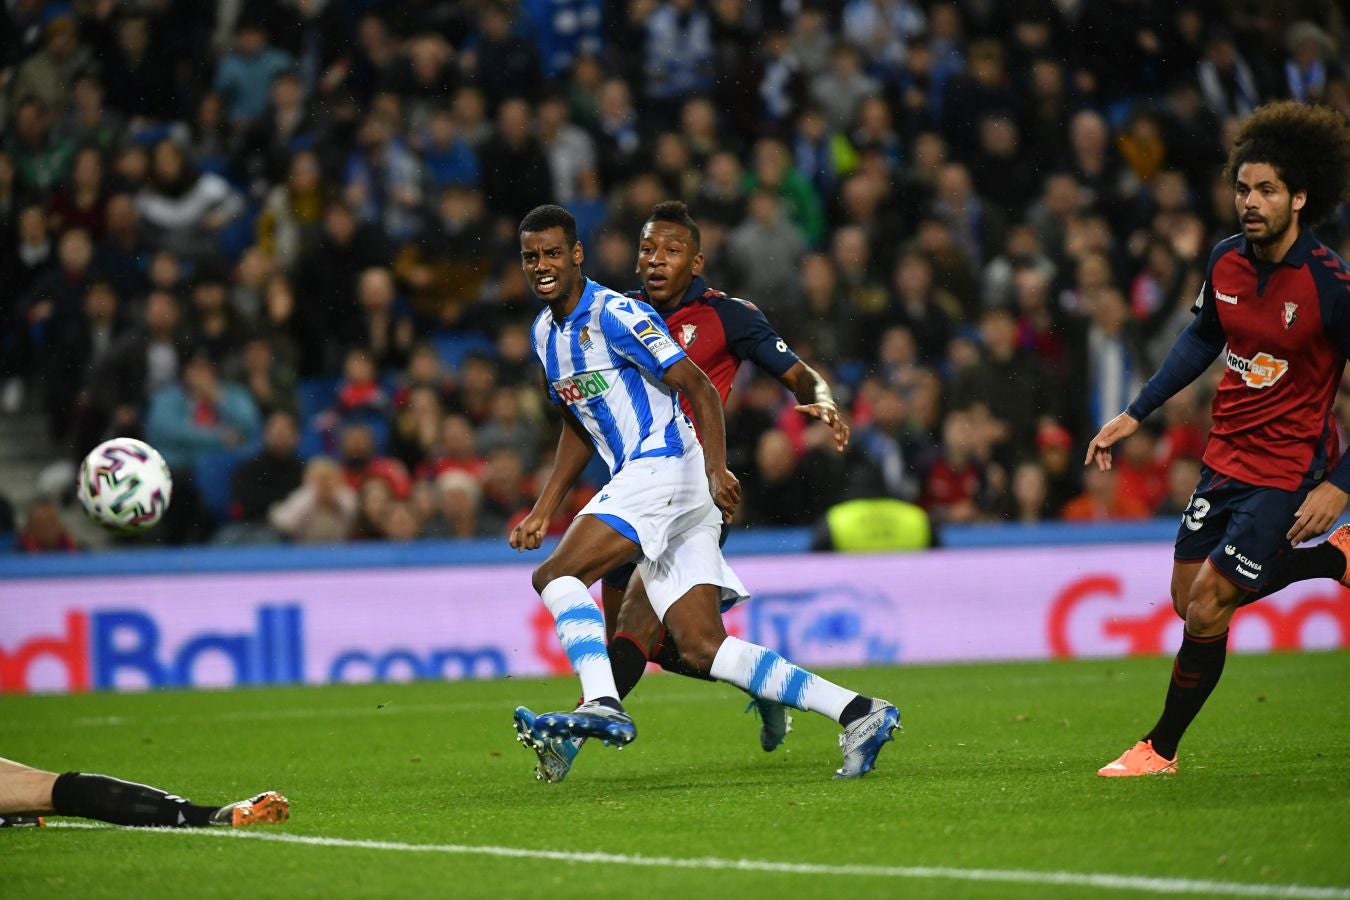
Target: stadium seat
pixel 312 442
pixel 315 441
pixel 454 347
pixel 238 235
pixel 214 474
pixel 314 395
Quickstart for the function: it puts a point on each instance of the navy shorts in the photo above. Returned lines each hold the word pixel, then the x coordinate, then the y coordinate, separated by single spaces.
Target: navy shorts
pixel 1239 527
pixel 618 576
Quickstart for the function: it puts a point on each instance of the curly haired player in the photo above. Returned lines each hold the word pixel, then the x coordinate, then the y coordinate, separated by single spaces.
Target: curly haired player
pixel 28 794
pixel 1279 300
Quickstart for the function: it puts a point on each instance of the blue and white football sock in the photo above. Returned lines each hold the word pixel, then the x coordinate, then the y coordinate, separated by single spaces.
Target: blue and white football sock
pixel 767 675
pixel 581 628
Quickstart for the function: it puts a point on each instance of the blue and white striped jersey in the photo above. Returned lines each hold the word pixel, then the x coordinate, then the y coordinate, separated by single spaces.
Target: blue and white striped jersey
pixel 605 361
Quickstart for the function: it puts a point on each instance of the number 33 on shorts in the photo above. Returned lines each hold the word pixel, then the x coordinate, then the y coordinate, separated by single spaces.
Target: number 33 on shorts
pixel 1194 515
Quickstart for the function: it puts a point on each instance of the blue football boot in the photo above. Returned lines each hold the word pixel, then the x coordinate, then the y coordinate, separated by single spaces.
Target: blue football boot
pixel 555 757
pixel 592 719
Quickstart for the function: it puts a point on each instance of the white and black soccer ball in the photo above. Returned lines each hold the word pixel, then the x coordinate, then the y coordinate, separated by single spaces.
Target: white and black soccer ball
pixel 124 485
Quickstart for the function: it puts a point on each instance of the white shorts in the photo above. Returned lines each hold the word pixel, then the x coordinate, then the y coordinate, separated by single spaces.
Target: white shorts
pixel 663 503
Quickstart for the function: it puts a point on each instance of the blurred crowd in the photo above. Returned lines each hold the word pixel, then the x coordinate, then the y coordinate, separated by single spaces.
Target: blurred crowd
pixel 276 238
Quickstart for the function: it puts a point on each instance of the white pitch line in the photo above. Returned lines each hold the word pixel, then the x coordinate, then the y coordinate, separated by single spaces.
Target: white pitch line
pixel 1139 883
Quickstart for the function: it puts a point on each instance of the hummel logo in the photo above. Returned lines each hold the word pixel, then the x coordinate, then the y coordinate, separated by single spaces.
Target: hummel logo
pixel 1226 298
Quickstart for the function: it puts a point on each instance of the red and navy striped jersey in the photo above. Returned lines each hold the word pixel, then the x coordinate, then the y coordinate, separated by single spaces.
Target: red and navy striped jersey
pixel 1287 330
pixel 719 333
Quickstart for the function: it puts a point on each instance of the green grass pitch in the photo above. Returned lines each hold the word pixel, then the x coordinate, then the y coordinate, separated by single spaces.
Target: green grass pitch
pixel 988 792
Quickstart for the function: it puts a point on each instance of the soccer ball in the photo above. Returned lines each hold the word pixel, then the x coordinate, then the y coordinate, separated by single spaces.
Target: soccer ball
pixel 124 485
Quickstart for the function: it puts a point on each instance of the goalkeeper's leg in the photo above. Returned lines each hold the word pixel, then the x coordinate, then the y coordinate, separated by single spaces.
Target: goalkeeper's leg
pixel 29 791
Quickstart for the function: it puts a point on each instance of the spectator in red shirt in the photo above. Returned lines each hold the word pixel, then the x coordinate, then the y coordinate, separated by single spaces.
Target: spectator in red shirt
pixel 1101 500
pixel 361 464
pixel 1142 475
pixel 360 389
pixel 456 450
pixel 1184 432
pixel 44 531
pixel 952 486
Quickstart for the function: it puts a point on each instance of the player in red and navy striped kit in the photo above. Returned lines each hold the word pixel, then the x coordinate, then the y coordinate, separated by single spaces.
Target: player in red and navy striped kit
pixel 1276 305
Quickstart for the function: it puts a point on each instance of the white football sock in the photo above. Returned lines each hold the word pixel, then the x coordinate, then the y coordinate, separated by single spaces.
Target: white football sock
pixel 766 674
pixel 581 628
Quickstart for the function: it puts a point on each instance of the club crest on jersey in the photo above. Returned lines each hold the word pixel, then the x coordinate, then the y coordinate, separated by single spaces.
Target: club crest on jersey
pixel 688 333
pixel 1290 315
pixel 574 390
pixel 1261 371
pixel 586 342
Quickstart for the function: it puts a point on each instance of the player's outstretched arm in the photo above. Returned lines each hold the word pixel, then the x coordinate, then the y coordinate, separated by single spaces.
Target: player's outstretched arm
pixel 1119 428
pixel 1194 350
pixel 574 452
pixel 689 380
pixel 815 399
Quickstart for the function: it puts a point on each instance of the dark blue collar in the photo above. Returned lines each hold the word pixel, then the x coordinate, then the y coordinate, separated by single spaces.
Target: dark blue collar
pixel 1297 254
pixel 695 290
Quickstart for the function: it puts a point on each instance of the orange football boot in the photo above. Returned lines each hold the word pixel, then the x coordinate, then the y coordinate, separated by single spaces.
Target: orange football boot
pixel 1141 759
pixel 268 808
pixel 1340 539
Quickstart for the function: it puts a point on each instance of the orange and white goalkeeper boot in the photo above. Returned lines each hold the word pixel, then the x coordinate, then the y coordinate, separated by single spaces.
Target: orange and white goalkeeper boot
pixel 267 808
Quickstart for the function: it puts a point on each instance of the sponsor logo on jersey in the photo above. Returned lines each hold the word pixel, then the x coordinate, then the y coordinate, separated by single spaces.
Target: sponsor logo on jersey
pixel 574 390
pixel 1226 298
pixel 688 333
pixel 1290 315
pixel 1261 371
pixel 586 342
pixel 653 338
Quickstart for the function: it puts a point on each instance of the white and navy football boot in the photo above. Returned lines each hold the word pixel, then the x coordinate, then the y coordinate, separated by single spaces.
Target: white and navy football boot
pixel 863 740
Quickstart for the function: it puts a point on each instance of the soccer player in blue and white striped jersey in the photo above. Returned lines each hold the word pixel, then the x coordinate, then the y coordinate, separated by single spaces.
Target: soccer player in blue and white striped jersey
pixel 615 372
